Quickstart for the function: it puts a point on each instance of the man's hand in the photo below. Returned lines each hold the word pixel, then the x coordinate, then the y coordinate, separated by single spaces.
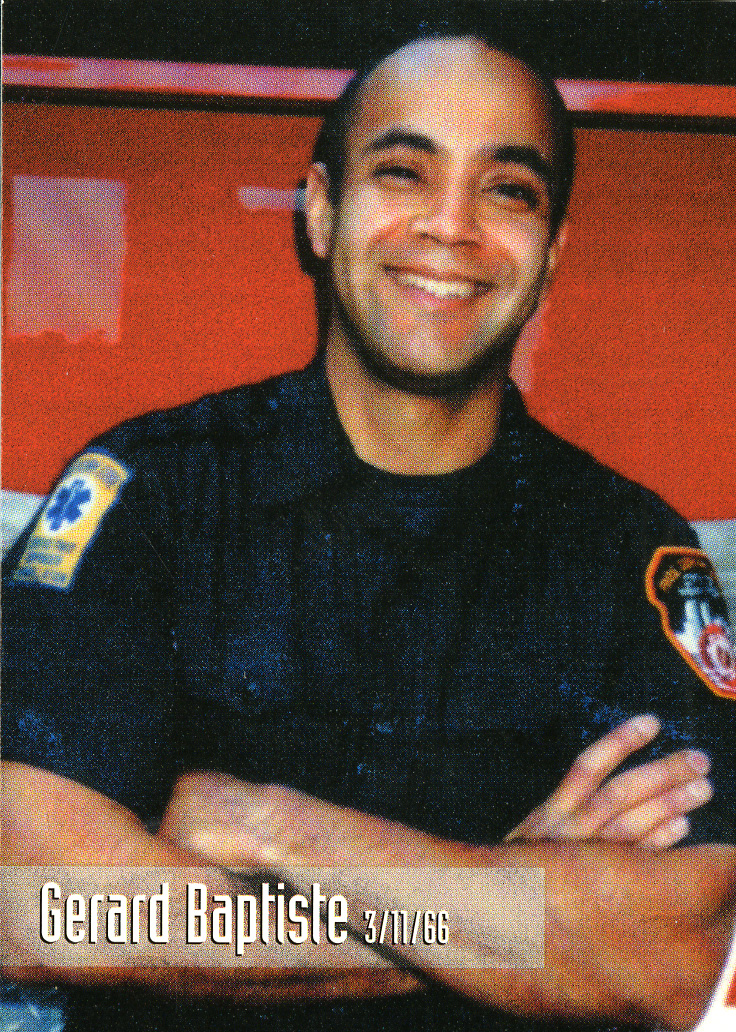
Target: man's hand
pixel 630 935
pixel 646 805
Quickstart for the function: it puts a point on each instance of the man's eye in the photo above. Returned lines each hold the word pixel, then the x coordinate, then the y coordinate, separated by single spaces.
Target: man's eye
pixel 518 194
pixel 402 172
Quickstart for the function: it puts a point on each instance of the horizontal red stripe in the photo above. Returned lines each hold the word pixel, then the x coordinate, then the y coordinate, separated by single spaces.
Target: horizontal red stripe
pixel 321 84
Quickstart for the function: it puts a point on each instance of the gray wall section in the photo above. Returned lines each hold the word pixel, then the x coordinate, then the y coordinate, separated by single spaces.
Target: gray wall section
pixel 17 510
pixel 718 537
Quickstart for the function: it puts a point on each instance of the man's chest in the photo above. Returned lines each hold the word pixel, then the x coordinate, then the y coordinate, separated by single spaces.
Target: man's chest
pixel 415 668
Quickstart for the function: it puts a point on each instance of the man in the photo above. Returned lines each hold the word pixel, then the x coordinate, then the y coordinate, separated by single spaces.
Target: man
pixel 379 582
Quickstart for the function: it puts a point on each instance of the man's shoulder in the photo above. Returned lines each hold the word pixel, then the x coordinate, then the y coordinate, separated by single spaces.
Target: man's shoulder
pixel 578 486
pixel 187 464
pixel 238 415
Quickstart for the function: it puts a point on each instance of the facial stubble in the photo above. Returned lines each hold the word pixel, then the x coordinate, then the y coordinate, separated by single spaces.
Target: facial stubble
pixel 453 386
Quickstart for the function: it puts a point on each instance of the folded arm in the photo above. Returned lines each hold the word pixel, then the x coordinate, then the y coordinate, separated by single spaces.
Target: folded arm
pixel 48 820
pixel 630 934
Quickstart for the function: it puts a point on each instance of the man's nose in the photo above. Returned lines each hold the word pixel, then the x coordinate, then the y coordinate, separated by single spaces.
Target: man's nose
pixel 450 216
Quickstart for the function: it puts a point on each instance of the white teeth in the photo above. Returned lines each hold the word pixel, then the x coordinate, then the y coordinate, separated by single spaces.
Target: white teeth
pixel 438 288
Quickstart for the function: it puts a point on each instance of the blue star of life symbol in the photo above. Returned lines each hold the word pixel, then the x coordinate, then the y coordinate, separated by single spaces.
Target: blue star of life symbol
pixel 67 507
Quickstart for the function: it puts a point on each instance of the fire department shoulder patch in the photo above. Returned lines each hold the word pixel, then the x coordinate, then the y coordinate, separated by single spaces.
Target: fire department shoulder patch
pixel 70 519
pixel 683 585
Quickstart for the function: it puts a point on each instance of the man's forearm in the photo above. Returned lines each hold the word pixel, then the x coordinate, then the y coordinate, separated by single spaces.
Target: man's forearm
pixel 629 935
pixel 616 945
pixel 49 821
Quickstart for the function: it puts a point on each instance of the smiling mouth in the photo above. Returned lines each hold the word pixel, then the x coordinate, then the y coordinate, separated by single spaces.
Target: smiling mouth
pixel 442 289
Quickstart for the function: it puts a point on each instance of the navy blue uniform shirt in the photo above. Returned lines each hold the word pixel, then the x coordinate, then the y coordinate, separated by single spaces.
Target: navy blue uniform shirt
pixel 248 596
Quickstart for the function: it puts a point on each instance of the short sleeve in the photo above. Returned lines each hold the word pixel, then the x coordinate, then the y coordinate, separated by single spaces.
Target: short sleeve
pixel 88 654
pixel 673 655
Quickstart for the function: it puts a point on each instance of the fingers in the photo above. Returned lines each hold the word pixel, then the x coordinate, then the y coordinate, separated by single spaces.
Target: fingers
pixel 646 804
pixel 634 804
pixel 658 814
pixel 638 784
pixel 667 834
pixel 597 762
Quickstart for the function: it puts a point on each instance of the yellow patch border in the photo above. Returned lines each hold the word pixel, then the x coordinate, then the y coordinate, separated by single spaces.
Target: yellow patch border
pixel 51 558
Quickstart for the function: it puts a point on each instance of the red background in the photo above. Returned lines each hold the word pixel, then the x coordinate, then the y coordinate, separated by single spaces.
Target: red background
pixel 635 354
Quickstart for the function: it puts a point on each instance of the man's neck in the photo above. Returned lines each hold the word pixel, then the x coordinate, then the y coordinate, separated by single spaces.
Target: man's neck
pixel 403 433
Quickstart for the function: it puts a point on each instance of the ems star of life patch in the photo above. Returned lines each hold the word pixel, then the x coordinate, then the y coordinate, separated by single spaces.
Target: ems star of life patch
pixel 70 519
pixel 683 585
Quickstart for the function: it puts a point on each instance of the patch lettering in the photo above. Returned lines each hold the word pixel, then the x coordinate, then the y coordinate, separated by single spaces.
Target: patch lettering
pixel 70 519
pixel 683 585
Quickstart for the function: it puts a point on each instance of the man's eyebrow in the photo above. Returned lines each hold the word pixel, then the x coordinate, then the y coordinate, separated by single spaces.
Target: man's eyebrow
pixel 530 158
pixel 512 154
pixel 402 138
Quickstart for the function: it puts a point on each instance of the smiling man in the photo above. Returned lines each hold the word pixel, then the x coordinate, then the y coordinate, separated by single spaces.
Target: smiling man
pixel 443 241
pixel 440 247
pixel 380 583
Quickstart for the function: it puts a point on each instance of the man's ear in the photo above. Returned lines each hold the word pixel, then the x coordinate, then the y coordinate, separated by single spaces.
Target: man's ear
pixel 556 247
pixel 318 211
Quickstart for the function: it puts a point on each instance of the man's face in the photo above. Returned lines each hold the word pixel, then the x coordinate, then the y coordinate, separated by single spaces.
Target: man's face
pixel 440 245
